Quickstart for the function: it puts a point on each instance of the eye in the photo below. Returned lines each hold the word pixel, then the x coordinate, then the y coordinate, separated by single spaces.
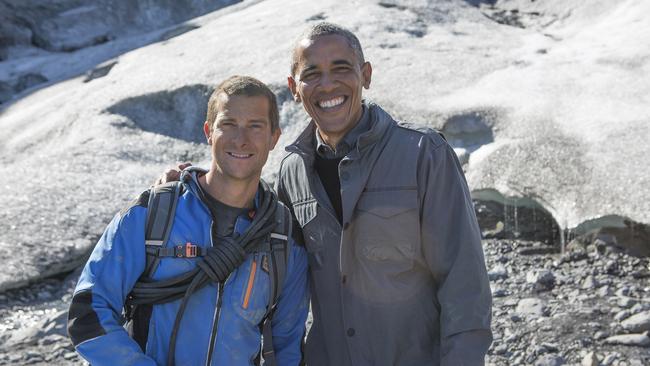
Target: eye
pixel 309 76
pixel 225 124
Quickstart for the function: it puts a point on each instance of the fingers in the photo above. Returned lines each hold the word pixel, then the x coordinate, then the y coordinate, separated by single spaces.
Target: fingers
pixel 184 165
pixel 171 174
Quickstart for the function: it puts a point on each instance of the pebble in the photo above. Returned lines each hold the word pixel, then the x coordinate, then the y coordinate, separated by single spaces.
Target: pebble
pixel 621 315
pixel 534 307
pixel 637 323
pixel 600 335
pixel 498 272
pixel 625 302
pixel 639 340
pixel 590 359
pixel 69 355
pixel 550 360
pixel 609 358
pixel 589 283
pixel 500 292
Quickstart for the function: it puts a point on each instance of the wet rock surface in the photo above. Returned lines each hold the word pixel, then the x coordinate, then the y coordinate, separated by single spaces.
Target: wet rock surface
pixel 563 309
pixel 33 324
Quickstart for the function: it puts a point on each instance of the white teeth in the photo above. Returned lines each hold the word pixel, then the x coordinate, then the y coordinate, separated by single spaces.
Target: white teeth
pixel 331 103
pixel 240 156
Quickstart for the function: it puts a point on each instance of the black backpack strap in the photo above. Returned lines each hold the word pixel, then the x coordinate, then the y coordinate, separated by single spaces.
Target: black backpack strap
pixel 280 250
pixel 160 218
pixel 161 208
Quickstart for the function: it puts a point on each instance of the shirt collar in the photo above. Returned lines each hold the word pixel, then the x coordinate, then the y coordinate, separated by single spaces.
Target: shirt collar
pixel 348 142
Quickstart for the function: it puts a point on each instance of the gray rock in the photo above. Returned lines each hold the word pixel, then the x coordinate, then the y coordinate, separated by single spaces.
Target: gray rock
pixel 639 340
pixel 621 315
pixel 550 360
pixel 541 279
pixel 610 358
pixel 589 283
pixel 590 359
pixel 637 323
pixel 498 272
pixel 532 307
pixel 625 302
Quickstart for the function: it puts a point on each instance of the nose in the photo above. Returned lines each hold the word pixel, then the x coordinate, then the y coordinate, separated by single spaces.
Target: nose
pixel 327 81
pixel 241 136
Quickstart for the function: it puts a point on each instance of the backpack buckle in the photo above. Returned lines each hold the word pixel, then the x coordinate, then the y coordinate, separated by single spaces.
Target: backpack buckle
pixel 190 250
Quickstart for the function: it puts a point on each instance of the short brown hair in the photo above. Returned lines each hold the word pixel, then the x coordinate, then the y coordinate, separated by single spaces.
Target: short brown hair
pixel 247 86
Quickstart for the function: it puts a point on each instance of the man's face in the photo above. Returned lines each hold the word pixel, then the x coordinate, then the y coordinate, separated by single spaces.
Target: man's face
pixel 328 81
pixel 241 137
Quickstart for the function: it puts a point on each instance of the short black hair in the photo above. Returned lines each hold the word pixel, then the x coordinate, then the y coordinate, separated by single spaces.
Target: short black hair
pixel 326 29
pixel 247 86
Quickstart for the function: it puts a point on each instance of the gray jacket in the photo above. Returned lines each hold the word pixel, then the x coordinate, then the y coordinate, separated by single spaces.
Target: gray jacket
pixel 403 280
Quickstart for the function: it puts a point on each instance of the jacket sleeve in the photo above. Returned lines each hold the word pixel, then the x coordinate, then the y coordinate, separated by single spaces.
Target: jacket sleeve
pixel 296 230
pixel 451 242
pixel 288 322
pixel 94 319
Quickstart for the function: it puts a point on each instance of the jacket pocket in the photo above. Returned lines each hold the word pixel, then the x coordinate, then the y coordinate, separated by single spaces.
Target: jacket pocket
pixel 387 229
pixel 251 289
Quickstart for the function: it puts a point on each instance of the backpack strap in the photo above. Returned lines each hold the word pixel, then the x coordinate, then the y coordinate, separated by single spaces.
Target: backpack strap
pixel 280 249
pixel 161 208
pixel 160 217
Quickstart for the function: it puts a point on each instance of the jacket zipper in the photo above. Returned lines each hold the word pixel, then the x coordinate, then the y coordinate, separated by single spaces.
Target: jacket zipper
pixel 251 280
pixel 215 316
pixel 215 324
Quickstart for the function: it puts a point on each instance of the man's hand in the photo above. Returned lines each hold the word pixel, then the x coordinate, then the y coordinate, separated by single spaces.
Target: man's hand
pixel 171 174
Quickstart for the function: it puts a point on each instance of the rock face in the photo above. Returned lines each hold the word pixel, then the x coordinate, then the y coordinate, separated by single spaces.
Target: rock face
pixel 559 161
pixel 545 102
pixel 36 33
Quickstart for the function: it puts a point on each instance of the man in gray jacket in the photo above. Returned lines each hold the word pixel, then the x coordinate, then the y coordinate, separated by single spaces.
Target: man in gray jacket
pixel 396 264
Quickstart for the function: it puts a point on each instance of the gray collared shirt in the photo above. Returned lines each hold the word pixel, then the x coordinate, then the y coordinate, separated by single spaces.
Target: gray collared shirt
pixel 348 142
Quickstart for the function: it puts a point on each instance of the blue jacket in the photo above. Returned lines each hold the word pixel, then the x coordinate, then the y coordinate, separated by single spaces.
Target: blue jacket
pixel 117 262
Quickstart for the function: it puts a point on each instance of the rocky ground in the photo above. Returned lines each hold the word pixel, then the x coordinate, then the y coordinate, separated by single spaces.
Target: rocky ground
pixel 590 306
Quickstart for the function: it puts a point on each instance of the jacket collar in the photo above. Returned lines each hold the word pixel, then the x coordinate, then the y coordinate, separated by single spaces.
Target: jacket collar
pixel 379 122
pixel 190 180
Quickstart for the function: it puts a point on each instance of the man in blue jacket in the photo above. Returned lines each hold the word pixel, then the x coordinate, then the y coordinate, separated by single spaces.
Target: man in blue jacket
pixel 215 319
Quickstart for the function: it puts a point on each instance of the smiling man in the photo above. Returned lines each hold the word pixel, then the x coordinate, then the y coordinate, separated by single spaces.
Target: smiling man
pixel 203 274
pixel 397 269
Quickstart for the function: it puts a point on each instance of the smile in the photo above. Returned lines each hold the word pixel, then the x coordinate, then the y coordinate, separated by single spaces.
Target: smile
pixel 239 156
pixel 331 103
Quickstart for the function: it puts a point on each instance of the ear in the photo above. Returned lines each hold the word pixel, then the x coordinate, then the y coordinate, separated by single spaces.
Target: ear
pixel 291 83
pixel 366 72
pixel 275 136
pixel 207 132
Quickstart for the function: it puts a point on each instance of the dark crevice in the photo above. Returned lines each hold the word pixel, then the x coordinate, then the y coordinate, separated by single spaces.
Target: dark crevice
pixel 316 17
pixel 100 71
pixel 175 32
pixel 469 130
pixel 178 113
pixel 517 219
